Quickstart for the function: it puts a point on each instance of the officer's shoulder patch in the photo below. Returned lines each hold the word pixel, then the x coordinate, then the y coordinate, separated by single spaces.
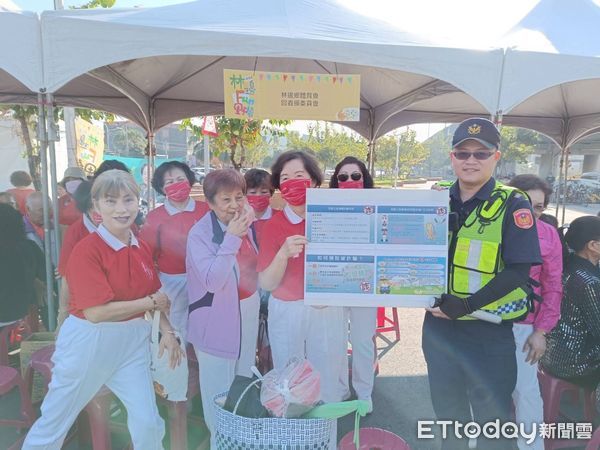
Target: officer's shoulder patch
pixel 523 218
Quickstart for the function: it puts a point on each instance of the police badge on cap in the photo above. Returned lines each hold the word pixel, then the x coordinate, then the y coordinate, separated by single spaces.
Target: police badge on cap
pixel 478 129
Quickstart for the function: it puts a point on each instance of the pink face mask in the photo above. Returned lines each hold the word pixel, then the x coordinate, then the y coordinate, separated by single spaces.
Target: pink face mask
pixel 71 186
pixel 351 184
pixel 178 192
pixel 293 190
pixel 259 202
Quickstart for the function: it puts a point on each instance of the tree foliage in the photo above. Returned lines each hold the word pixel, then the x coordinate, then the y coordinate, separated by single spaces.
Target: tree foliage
pixel 96 4
pixel 242 140
pixel 516 145
pixel 328 144
pixel 410 156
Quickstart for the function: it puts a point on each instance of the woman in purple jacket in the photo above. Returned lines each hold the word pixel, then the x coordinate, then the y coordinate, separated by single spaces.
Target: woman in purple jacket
pixel 530 334
pixel 222 284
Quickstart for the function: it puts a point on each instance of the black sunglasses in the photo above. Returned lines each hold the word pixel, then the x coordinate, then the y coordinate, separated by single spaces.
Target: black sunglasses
pixel 479 156
pixel 344 176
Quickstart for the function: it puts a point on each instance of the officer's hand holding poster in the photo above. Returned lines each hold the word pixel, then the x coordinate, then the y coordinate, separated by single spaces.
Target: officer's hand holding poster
pixel 375 247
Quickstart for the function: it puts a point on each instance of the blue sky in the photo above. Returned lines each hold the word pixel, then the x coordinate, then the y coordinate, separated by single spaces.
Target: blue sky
pixel 40 5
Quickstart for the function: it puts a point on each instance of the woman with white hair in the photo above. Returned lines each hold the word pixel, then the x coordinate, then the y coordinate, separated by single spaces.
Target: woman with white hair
pixel 105 340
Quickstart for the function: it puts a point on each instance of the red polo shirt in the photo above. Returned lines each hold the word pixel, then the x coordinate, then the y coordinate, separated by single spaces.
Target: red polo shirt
pixel 20 196
pixel 246 258
pixel 75 233
pixel 273 235
pixel 166 231
pixel 67 210
pixel 101 269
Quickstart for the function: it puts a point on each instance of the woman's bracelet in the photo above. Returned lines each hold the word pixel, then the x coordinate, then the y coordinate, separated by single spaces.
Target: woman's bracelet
pixel 154 305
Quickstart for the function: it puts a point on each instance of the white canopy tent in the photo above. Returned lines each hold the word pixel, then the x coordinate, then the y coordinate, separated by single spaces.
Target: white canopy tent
pixel 158 65
pixel 21 80
pixel 21 75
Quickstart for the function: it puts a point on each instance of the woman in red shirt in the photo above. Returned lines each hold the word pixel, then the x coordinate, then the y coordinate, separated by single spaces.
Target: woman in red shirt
pixel 351 173
pixel 166 231
pixel 105 340
pixel 86 224
pixel 296 330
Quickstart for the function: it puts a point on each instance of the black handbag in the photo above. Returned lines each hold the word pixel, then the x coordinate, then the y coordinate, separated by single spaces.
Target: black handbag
pixel 243 398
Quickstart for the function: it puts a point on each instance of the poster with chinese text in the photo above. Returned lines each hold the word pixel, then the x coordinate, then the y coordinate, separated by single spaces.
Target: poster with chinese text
pixel 375 247
pixel 303 96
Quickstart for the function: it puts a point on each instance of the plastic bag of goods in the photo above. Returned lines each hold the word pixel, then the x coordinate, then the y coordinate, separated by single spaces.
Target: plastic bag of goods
pixel 291 391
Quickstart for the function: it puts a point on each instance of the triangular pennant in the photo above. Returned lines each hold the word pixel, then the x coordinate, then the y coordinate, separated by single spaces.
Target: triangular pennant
pixel 209 126
pixel 293 77
pixel 334 79
pixel 260 76
pixel 310 78
pixel 341 80
pixel 284 77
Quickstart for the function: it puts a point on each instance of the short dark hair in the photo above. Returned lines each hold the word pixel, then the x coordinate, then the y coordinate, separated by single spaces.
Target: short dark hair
pixel 83 196
pixel 581 231
pixel 310 164
pixel 222 179
pixel 110 164
pixel 367 179
pixel 11 224
pixel 258 178
pixel 158 179
pixel 530 182
pixel 20 178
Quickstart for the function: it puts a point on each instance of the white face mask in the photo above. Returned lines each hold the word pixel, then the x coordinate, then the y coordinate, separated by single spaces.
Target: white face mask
pixel 72 185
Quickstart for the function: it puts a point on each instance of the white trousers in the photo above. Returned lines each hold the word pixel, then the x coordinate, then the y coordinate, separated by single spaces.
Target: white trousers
pixel 84 360
pixel 317 334
pixel 363 322
pixel 249 309
pixel 217 374
pixel 529 407
pixel 175 286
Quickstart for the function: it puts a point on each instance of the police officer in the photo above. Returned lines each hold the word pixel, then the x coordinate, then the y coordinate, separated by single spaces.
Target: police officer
pixel 471 363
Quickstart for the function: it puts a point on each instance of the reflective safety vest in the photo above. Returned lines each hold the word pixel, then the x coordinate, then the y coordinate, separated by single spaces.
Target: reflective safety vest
pixel 477 258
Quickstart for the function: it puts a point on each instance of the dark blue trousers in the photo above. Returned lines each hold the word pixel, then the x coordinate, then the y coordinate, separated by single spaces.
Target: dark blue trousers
pixel 471 365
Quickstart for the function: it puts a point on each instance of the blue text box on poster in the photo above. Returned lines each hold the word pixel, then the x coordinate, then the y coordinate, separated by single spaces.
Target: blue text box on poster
pixel 340 224
pixel 346 274
pixel 411 225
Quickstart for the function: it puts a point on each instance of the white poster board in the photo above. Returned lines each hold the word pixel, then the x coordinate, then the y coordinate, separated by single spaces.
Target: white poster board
pixel 375 247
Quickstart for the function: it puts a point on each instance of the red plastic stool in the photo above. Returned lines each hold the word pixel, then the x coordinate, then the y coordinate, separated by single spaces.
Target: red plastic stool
pixel 594 443
pixel 5 333
pixel 393 323
pixel 374 439
pixel 97 409
pixel 552 390
pixel 9 379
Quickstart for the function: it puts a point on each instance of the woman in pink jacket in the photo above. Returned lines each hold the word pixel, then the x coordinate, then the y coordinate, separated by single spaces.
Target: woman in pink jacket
pixel 530 334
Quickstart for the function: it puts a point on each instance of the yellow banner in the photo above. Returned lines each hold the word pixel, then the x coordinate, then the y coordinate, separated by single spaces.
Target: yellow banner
pixel 302 96
pixel 90 145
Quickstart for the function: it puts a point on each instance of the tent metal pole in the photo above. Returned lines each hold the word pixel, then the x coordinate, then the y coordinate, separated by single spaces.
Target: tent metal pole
pixel 564 205
pixel 52 130
pixel 150 172
pixel 560 194
pixel 43 148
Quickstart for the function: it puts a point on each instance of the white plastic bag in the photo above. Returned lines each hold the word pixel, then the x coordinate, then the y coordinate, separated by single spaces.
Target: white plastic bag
pixel 171 384
pixel 291 391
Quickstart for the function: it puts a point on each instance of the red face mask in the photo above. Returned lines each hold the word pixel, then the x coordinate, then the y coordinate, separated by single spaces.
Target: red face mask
pixel 293 190
pixel 351 184
pixel 178 192
pixel 259 202
pixel 96 218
